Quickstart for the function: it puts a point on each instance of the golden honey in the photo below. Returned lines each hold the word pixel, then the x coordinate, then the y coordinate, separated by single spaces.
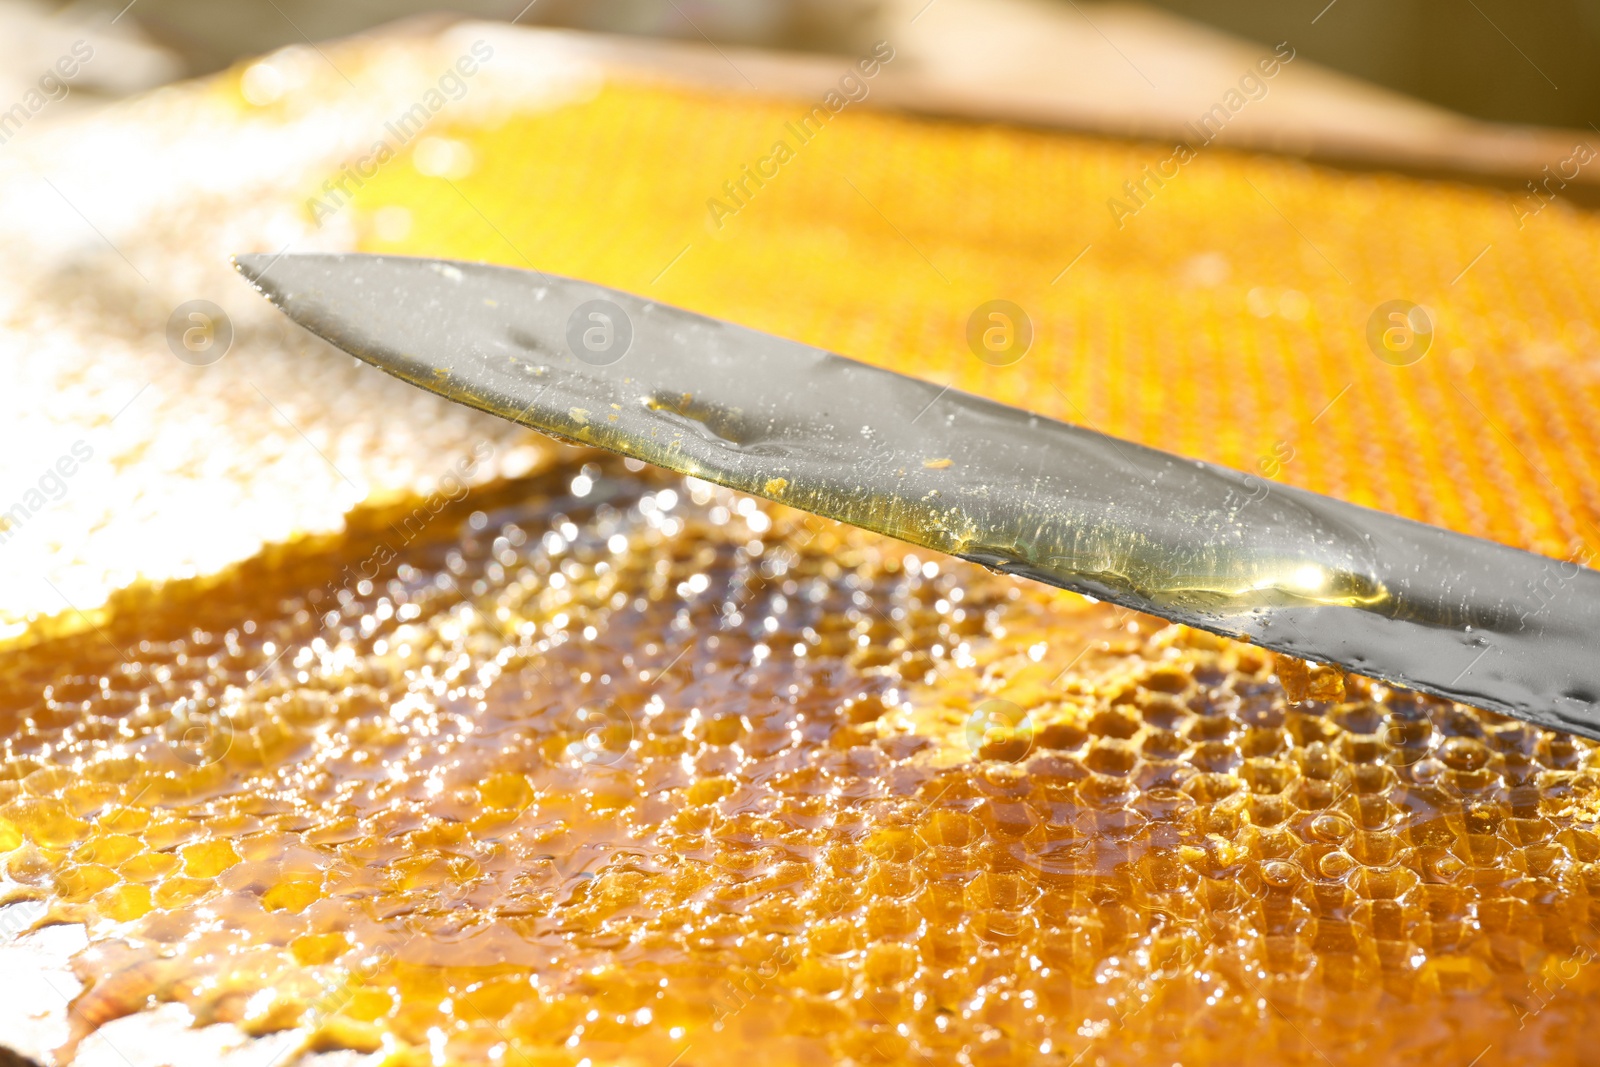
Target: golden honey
pixel 603 765
pixel 608 765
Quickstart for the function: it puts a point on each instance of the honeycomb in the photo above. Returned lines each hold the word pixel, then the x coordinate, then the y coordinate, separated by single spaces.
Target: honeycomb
pixel 612 766
pixel 597 765
pixel 1225 322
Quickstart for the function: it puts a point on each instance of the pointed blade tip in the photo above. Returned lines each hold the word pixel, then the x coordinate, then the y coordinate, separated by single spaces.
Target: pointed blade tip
pixel 253 266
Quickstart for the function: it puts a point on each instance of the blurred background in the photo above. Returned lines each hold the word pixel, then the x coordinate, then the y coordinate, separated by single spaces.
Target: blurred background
pixel 1491 59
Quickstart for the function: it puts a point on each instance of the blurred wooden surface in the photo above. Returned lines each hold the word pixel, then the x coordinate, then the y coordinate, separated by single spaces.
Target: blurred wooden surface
pixel 1123 70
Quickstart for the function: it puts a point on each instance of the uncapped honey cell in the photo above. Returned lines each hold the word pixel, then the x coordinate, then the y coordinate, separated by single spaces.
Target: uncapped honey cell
pixel 576 777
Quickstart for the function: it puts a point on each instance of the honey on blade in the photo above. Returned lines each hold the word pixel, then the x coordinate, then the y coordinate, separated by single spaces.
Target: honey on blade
pixel 606 765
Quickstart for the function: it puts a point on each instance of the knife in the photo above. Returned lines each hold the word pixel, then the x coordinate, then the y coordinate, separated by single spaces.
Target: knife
pixel 1293 571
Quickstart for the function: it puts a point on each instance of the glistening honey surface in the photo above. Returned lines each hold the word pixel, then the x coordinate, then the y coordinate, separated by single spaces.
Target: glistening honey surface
pixel 605 765
pixel 853 897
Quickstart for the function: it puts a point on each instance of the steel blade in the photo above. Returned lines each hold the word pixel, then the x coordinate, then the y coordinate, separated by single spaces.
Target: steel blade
pixel 1296 572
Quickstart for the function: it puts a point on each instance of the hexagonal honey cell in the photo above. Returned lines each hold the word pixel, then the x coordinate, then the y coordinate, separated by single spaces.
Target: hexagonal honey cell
pixel 657 771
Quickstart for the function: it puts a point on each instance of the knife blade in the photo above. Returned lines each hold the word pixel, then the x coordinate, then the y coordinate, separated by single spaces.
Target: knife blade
pixel 1199 544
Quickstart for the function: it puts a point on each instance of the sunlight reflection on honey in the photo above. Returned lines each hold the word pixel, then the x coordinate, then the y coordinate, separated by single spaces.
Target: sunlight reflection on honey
pixel 479 837
pixel 607 764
